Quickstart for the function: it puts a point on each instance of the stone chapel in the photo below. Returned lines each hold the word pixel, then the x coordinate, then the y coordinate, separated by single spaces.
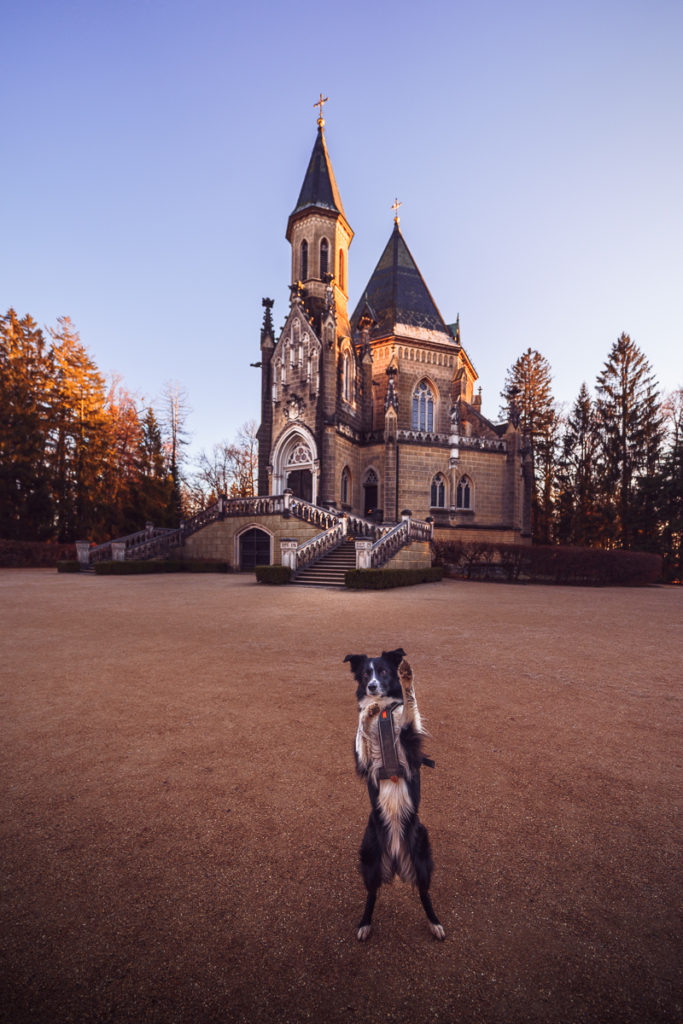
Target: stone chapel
pixel 376 412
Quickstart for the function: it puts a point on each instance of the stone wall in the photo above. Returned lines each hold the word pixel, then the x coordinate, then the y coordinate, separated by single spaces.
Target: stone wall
pixel 220 541
pixel 416 555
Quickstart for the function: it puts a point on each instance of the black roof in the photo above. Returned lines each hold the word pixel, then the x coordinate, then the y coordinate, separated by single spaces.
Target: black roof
pixel 397 294
pixel 319 187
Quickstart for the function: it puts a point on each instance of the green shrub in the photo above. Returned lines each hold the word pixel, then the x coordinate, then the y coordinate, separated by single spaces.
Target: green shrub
pixel 69 566
pixel 275 574
pixel 385 579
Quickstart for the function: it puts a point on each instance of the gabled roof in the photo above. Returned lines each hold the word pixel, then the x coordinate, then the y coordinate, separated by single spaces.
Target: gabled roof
pixel 319 188
pixel 397 294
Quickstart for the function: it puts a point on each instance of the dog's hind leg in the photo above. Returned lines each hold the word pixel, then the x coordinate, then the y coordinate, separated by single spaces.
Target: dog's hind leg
pixel 421 856
pixel 371 869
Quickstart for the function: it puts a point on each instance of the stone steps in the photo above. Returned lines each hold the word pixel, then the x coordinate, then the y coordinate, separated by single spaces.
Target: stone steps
pixel 331 569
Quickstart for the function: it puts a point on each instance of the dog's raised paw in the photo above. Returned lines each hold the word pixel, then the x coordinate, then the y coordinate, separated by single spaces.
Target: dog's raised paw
pixel 372 710
pixel 363 932
pixel 437 931
pixel 405 674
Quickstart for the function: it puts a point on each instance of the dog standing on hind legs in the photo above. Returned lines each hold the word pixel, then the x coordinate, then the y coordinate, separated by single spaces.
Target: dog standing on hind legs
pixel 389 756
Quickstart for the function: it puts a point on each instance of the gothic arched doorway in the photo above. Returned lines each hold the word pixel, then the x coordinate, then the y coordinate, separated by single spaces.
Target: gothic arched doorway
pixel 370 493
pixel 254 548
pixel 295 464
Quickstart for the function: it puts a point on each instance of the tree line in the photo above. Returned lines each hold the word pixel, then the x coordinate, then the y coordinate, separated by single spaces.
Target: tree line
pixel 82 457
pixel 607 473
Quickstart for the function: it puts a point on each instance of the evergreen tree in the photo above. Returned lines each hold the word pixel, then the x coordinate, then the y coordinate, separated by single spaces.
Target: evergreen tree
pixel 630 427
pixel 669 491
pixel 25 505
pixel 77 440
pixel 579 519
pixel 154 492
pixel 528 390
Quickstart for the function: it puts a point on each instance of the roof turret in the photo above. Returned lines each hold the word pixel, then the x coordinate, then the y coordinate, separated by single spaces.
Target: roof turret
pixel 397 294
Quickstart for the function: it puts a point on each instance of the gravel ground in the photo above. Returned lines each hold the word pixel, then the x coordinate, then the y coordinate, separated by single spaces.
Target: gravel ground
pixel 181 817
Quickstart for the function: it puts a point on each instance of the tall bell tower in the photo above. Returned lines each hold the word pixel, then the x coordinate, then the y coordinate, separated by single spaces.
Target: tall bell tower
pixel 320 236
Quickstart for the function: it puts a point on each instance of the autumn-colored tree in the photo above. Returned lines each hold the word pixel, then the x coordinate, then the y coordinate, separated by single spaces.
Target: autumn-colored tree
pixel 528 392
pixel 77 438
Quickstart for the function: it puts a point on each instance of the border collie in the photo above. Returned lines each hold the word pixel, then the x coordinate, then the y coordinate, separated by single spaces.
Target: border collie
pixel 389 756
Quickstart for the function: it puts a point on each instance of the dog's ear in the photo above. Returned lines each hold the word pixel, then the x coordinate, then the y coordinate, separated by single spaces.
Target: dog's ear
pixel 396 656
pixel 356 661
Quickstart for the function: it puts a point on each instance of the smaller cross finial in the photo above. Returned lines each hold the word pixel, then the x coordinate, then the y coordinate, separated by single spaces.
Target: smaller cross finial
pixel 395 207
pixel 320 103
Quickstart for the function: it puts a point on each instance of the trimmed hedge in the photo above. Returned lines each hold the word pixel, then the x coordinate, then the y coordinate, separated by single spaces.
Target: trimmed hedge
pixel 143 568
pixel 569 566
pixel 69 566
pixel 385 579
pixel 29 554
pixel 274 574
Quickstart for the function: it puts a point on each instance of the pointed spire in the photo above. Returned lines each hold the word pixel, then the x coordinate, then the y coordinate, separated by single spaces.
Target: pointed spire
pixel 319 187
pixel 397 293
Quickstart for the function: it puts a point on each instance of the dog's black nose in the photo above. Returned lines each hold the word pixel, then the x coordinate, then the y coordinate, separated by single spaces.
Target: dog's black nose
pixel 373 687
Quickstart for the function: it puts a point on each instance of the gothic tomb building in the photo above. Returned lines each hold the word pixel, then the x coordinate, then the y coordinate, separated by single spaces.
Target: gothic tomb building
pixel 376 412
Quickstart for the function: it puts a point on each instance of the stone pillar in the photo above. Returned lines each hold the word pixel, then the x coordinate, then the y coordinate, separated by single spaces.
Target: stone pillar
pixel 83 551
pixel 363 554
pixel 118 550
pixel 288 547
pixel 149 530
pixel 287 501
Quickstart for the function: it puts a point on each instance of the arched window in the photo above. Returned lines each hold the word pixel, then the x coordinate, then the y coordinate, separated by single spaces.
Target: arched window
pixel 463 498
pixel 324 256
pixel 438 492
pixel 304 261
pixel 341 269
pixel 370 492
pixel 346 377
pixel 423 407
pixel 346 486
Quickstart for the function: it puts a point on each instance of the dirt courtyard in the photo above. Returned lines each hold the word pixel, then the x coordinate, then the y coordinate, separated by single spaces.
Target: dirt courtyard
pixel 181 817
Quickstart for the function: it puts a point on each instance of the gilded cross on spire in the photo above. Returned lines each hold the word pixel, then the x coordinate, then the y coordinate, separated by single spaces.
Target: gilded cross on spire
pixel 321 101
pixel 395 207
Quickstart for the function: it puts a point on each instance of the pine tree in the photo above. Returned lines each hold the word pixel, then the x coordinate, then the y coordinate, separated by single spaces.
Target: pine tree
pixel 630 427
pixel 579 519
pixel 528 389
pixel 77 442
pixel 669 491
pixel 176 411
pixel 25 505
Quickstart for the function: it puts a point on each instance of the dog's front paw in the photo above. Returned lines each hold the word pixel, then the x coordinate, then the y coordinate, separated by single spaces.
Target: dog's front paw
pixel 437 931
pixel 405 675
pixel 372 710
pixel 363 932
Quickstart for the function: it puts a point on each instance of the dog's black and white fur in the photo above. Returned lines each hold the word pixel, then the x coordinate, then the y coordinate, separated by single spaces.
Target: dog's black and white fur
pixel 395 841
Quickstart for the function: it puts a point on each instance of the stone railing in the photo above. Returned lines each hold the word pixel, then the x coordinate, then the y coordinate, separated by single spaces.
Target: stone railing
pixel 312 514
pixel 360 527
pixel 312 550
pixel 128 546
pixel 373 556
pixel 258 505
pixel 423 437
pixel 484 444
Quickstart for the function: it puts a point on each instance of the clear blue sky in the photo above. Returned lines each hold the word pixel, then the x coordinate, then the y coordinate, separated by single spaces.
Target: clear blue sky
pixel 153 150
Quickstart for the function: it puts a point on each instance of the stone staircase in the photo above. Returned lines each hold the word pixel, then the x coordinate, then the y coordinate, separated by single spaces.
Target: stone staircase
pixel 330 569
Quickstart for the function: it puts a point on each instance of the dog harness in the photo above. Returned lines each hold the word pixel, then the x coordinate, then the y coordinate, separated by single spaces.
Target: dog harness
pixel 391 766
